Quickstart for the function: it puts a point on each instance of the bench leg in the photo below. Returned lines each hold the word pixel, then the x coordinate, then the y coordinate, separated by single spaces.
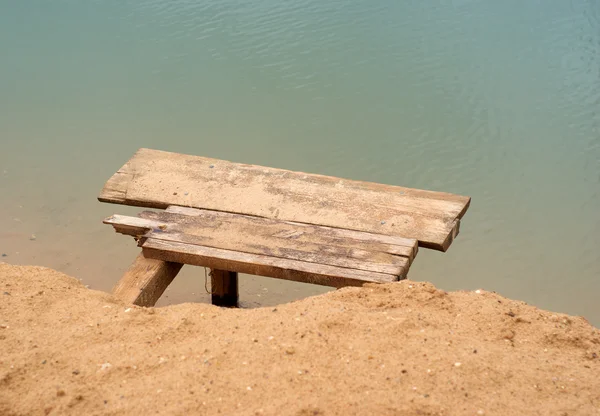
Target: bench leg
pixel 224 288
pixel 145 281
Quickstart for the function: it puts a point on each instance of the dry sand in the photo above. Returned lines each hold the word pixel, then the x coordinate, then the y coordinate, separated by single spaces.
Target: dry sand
pixel 398 349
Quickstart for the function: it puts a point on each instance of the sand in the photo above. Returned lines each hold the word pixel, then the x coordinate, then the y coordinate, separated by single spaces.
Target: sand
pixel 398 349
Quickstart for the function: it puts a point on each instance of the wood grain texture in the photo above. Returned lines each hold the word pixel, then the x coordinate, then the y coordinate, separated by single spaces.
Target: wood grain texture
pixel 279 236
pixel 157 179
pixel 258 236
pixel 145 281
pixel 406 247
pixel 261 265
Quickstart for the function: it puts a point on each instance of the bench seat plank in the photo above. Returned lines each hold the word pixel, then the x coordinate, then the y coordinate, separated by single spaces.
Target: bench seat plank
pixel 270 238
pixel 260 265
pixel 400 246
pixel 157 179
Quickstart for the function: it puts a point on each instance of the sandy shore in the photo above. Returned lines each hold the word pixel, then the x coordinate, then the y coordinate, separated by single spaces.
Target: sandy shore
pixel 397 349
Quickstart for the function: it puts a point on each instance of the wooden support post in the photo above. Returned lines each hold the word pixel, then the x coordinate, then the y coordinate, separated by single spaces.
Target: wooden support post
pixel 145 281
pixel 224 288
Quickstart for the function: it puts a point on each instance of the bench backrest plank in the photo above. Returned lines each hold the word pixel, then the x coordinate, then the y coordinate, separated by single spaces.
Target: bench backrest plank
pixel 157 179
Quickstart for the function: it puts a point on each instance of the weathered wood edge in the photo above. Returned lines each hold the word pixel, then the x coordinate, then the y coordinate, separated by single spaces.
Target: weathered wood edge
pixel 138 226
pixel 134 226
pixel 115 189
pixel 261 265
pixel 398 268
pixel 148 228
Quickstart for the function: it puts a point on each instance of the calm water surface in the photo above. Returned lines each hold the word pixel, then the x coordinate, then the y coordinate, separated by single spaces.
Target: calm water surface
pixel 499 100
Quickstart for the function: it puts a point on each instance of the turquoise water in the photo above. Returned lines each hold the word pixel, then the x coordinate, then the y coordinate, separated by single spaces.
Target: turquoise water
pixel 496 100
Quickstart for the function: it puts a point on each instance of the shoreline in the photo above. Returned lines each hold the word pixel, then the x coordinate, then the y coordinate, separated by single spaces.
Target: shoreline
pixel 399 348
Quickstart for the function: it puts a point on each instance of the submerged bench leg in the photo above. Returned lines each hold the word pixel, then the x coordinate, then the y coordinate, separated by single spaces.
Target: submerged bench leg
pixel 145 281
pixel 224 288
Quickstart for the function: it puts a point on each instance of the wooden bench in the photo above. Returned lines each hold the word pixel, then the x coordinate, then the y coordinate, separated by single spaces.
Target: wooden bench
pixel 233 217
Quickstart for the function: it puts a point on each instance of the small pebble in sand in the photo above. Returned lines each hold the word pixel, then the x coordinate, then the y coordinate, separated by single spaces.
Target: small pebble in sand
pixel 508 335
pixel 478 291
pixel 7 294
pixel 105 366
pixel 249 388
pixel 4 255
pixel 480 412
pixel 127 310
pixel 33 237
pixel 457 364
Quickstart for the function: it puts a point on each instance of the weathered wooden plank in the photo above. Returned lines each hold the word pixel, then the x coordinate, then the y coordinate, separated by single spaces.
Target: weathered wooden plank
pixel 134 226
pixel 245 235
pixel 314 233
pixel 267 266
pixel 396 266
pixel 145 281
pixel 115 188
pixel 270 237
pixel 277 232
pixel 157 179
